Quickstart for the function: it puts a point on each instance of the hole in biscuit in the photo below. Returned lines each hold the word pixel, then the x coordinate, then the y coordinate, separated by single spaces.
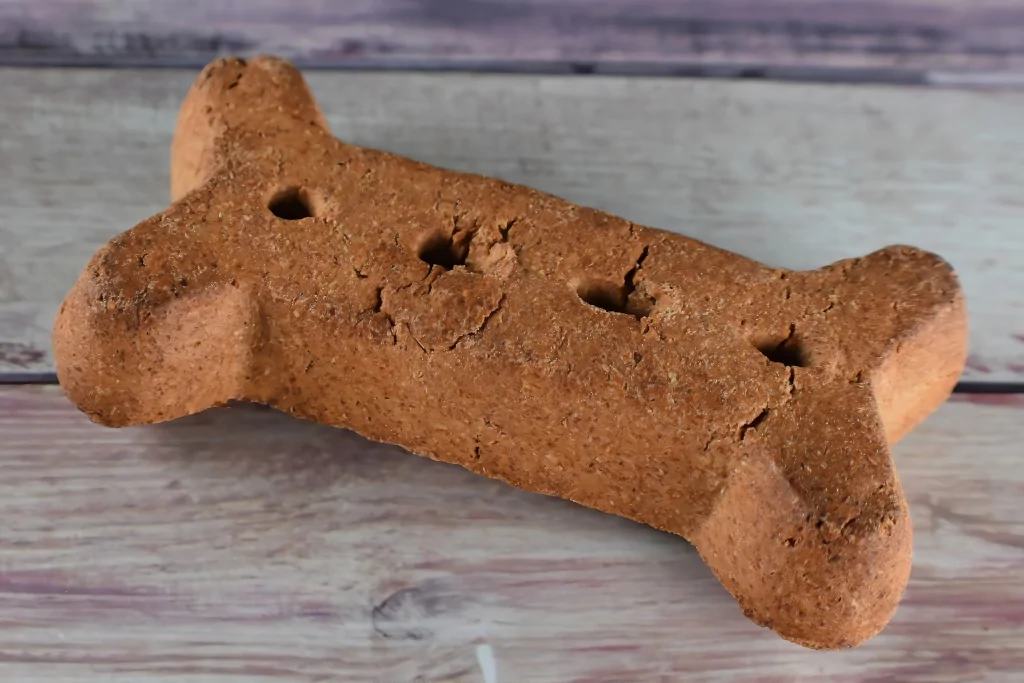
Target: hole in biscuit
pixel 291 204
pixel 788 352
pixel 604 295
pixel 447 252
pixel 615 298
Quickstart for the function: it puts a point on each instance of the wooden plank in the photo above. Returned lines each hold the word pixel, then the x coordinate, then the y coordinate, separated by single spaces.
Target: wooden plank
pixel 793 175
pixel 241 544
pixel 909 39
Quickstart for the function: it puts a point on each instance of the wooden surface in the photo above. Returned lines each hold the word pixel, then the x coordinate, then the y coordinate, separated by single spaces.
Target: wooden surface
pixel 915 40
pixel 793 175
pixel 242 545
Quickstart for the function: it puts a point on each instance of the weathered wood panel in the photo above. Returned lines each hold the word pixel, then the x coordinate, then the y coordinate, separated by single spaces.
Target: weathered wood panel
pixel 794 175
pixel 242 545
pixel 916 39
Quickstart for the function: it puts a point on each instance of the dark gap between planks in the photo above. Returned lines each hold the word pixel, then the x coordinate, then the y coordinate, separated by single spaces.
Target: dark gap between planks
pixel 738 71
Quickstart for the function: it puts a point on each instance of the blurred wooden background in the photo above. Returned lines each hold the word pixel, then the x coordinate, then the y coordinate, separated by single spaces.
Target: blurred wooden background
pixel 240 545
pixel 911 40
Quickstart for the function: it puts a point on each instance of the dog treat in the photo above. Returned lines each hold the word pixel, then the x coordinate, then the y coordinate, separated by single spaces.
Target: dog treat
pixel 557 348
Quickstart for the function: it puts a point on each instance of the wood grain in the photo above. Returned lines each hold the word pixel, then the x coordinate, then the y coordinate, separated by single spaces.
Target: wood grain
pixel 242 545
pixel 793 175
pixel 915 39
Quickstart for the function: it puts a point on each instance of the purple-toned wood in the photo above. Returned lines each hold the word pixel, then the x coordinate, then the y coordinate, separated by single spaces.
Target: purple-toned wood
pixel 241 545
pixel 911 39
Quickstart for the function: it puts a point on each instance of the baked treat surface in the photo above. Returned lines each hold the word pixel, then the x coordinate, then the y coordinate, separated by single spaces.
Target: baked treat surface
pixel 560 349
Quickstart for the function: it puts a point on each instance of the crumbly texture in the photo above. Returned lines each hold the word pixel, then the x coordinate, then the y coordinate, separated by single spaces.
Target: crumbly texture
pixel 557 348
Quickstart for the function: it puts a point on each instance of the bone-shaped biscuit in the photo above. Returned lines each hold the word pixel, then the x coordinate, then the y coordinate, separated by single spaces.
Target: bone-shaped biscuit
pixel 560 349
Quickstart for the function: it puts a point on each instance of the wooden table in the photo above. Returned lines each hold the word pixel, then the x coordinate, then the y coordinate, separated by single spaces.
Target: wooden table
pixel 240 545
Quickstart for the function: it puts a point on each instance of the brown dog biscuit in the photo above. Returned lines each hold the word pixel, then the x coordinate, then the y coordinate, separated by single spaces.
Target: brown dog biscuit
pixel 554 347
